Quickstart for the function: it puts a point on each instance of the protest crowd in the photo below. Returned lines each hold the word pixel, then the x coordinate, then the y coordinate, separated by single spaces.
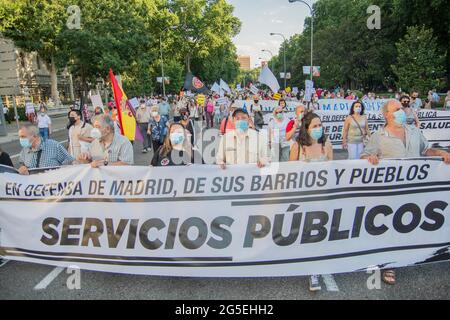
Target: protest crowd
pixel 174 128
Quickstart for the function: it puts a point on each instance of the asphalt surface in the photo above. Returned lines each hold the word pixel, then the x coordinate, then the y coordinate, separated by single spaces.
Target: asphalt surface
pixel 20 280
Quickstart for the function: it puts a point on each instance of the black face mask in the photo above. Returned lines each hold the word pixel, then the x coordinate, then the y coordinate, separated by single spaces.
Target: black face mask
pixel 256 101
pixel 185 116
pixel 72 120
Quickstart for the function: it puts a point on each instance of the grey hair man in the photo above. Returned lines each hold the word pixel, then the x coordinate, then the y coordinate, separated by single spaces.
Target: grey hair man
pixel 108 147
pixel 396 140
pixel 37 153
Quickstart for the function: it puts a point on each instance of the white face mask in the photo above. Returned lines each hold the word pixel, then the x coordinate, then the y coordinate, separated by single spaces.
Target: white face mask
pixel 96 134
pixel 154 114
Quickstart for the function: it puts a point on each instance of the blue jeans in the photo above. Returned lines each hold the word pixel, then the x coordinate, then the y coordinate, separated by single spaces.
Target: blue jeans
pixel 44 133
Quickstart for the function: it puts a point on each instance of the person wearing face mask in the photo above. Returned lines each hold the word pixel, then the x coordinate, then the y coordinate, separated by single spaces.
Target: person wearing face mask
pixel 242 145
pixel 355 131
pixel 397 140
pixel 176 149
pixel 277 135
pixel 79 134
pixel 37 153
pixel 411 115
pixel 157 128
pixel 293 127
pixel 258 117
pixel 44 124
pixel 416 102
pixel 312 145
pixel 143 118
pixel 188 124
pixel 108 148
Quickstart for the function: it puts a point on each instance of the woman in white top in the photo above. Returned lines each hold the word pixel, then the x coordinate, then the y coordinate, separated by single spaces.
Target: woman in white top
pixel 44 124
pixel 277 134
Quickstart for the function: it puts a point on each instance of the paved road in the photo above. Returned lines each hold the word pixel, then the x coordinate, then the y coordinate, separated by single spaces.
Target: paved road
pixel 22 280
pixel 18 281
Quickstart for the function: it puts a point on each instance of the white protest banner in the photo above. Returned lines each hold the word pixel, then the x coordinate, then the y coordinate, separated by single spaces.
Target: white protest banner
pixel 269 105
pixel 294 90
pixel 96 100
pixel 309 90
pixel 134 103
pixel 435 124
pixel 290 219
pixel 345 105
pixel 224 86
pixel 238 87
pixel 222 101
pixel 254 89
pixel 215 88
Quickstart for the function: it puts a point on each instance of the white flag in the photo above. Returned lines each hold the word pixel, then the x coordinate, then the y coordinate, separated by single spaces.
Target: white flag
pixel 268 78
pixel 215 88
pixel 224 86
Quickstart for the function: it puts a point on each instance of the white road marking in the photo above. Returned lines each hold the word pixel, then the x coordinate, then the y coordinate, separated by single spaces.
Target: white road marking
pixel 17 155
pixel 49 278
pixel 330 283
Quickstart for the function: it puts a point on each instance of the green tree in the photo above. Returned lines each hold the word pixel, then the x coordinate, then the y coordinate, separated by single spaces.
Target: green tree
pixel 419 64
pixel 36 26
pixel 204 25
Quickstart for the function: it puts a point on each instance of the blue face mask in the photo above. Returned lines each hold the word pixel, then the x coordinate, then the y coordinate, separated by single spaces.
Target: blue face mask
pixel 177 138
pixel 242 125
pixel 25 143
pixel 400 117
pixel 316 133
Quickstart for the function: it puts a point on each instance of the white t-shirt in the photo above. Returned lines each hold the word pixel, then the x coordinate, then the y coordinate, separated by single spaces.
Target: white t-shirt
pixel 279 131
pixel 29 108
pixel 43 121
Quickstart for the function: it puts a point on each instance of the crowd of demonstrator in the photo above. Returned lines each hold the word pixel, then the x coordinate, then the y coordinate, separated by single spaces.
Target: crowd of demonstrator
pixel 171 130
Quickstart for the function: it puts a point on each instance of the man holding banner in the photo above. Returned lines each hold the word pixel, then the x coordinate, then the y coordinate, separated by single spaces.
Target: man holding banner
pixel 109 147
pixel 396 140
pixel 242 145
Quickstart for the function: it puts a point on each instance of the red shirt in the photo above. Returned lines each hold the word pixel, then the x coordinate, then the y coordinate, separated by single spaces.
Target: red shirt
pixel 290 125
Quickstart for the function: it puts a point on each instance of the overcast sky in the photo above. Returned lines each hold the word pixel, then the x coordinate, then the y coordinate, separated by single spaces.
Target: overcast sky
pixel 261 17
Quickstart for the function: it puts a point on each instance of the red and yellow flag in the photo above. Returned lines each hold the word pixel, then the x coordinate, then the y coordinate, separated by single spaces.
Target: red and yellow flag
pixel 127 121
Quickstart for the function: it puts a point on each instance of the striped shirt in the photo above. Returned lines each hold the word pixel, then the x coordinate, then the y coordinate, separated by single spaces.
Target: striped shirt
pixel 53 154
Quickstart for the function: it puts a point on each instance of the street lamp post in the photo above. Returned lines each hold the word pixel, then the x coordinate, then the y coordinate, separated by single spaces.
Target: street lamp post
pixel 271 55
pixel 312 31
pixel 284 38
pixel 162 61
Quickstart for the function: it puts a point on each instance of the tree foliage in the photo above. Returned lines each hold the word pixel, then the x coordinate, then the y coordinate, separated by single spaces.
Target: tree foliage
pixel 353 56
pixel 127 36
pixel 419 65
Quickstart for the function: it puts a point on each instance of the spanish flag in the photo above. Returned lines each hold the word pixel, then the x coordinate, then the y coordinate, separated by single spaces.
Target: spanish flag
pixel 125 112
